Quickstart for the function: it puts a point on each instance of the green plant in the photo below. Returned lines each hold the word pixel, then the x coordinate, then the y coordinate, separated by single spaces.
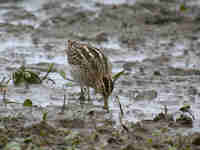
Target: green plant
pixel 23 75
pixel 117 75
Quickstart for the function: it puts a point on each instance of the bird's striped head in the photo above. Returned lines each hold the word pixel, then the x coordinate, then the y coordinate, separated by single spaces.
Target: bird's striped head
pixel 72 45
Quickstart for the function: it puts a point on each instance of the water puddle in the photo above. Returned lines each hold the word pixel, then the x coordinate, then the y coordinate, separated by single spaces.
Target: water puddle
pixel 171 90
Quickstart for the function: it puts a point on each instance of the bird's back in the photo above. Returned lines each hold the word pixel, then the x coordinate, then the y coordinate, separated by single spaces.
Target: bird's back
pixel 87 62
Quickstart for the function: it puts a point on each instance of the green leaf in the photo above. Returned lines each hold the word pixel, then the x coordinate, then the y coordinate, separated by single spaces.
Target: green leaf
pixel 117 75
pixel 50 67
pixel 44 117
pixel 185 108
pixel 183 7
pixel 63 74
pixel 27 103
pixel 18 77
pixel 27 75
pixel 43 133
pixel 69 84
pixel 150 140
pixel 11 102
pixel 28 140
pixel 48 71
pixel 22 75
pixel 32 77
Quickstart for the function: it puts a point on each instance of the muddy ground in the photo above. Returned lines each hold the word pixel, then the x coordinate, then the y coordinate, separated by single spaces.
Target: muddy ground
pixel 156 43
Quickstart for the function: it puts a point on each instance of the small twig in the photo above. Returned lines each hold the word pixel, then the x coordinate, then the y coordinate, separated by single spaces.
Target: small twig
pixel 121 115
pixel 190 112
pixel 93 118
pixel 4 97
pixel 125 128
pixel 122 124
pixel 48 79
pixel 116 76
pixel 165 111
pixel 4 90
pixel 64 103
pixel 70 80
pixel 120 106
pixel 48 71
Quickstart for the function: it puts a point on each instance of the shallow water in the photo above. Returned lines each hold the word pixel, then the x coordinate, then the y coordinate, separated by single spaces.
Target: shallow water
pixel 40 41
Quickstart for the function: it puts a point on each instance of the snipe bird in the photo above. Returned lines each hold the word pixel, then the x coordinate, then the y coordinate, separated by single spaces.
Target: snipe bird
pixel 90 68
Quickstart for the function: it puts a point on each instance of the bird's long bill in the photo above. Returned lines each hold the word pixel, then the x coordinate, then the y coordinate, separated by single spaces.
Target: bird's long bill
pixel 106 102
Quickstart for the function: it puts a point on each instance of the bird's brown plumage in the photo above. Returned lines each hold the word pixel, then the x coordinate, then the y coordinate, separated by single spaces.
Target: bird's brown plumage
pixel 90 67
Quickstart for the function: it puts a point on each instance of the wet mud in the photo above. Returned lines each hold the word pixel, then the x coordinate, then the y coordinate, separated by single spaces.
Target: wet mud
pixel 154 104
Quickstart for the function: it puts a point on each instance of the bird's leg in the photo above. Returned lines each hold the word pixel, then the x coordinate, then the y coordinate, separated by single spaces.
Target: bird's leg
pixel 88 93
pixel 106 104
pixel 82 97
